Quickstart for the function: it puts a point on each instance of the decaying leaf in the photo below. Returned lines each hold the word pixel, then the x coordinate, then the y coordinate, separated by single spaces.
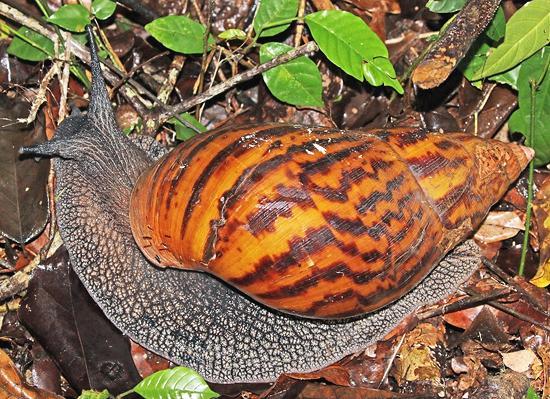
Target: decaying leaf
pixel 12 385
pixel 509 385
pixel 541 212
pixel 146 361
pixel 500 225
pixel 416 359
pixel 89 350
pixel 520 361
pixel 23 196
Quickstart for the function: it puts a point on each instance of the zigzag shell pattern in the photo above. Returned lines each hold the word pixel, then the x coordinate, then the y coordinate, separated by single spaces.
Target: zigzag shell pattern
pixel 319 222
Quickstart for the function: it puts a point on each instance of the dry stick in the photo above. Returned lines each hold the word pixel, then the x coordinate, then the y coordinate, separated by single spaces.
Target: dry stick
pixel 78 50
pixel 465 303
pixel 20 280
pixel 173 72
pixel 511 282
pixel 139 8
pixel 64 84
pixel 300 26
pixel 206 57
pixel 519 315
pixel 391 360
pixel 40 97
pixel 454 43
pixel 235 80
pixel 82 52
pixel 487 91
pixel 128 75
pixel 198 11
pixel 15 15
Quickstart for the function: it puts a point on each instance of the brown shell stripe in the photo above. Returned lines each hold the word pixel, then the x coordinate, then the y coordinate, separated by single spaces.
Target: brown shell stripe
pixel 278 266
pixel 316 221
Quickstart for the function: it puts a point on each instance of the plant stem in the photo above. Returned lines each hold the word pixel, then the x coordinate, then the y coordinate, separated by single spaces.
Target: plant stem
pixel 534 87
pixel 229 83
pixel 123 394
pixel 43 8
pixel 278 23
pixel 521 268
pixel 9 30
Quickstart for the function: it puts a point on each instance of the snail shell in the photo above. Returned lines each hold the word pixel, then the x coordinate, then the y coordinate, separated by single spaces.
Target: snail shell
pixel 319 222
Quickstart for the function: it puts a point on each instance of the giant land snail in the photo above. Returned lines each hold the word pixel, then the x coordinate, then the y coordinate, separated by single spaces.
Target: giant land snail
pixel 320 240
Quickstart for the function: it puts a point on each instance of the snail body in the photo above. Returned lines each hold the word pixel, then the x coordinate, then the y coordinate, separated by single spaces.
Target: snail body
pixel 201 322
pixel 319 222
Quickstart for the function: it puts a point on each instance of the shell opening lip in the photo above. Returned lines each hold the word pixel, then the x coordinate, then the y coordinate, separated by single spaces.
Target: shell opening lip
pixel 528 151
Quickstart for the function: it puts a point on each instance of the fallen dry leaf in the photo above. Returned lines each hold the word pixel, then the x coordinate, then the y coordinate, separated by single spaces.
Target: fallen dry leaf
pixel 12 385
pixel 508 385
pixel 520 361
pixel 146 361
pixel 500 225
pixel 476 373
pixel 544 352
pixel 541 212
pixel 335 374
pixel 416 359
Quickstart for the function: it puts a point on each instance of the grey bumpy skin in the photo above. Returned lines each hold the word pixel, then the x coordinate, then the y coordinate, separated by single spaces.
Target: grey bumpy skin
pixel 192 318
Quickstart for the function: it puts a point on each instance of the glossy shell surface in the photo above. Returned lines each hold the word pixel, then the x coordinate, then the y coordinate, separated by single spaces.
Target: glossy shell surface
pixel 319 222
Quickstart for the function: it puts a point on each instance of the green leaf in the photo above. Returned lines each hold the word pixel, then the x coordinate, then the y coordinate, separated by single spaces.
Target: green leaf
pixel 474 60
pixel 41 48
pixel 345 39
pixel 232 34
pixel 184 132
pixel 379 71
pixel 176 383
pixel 477 55
pixel 179 33
pixel 532 394
pixel 89 394
pixel 496 29
pixel 445 6
pixel 510 77
pixel 271 11
pixel 532 69
pixel 81 38
pixel 103 9
pixel 297 82
pixel 73 17
pixel 526 33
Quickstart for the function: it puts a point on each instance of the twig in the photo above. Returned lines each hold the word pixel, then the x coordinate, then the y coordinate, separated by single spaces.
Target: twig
pixel 399 39
pixel 173 72
pixel 136 68
pixel 454 43
pixel 64 74
pixel 15 15
pixel 20 280
pixel 511 282
pixel 323 5
pixel 6 265
pixel 139 8
pixel 391 360
pixel 519 315
pixel 486 94
pixel 40 97
pixel 465 303
pixel 80 52
pixel 110 51
pixel 300 26
pixel 206 57
pixel 235 80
